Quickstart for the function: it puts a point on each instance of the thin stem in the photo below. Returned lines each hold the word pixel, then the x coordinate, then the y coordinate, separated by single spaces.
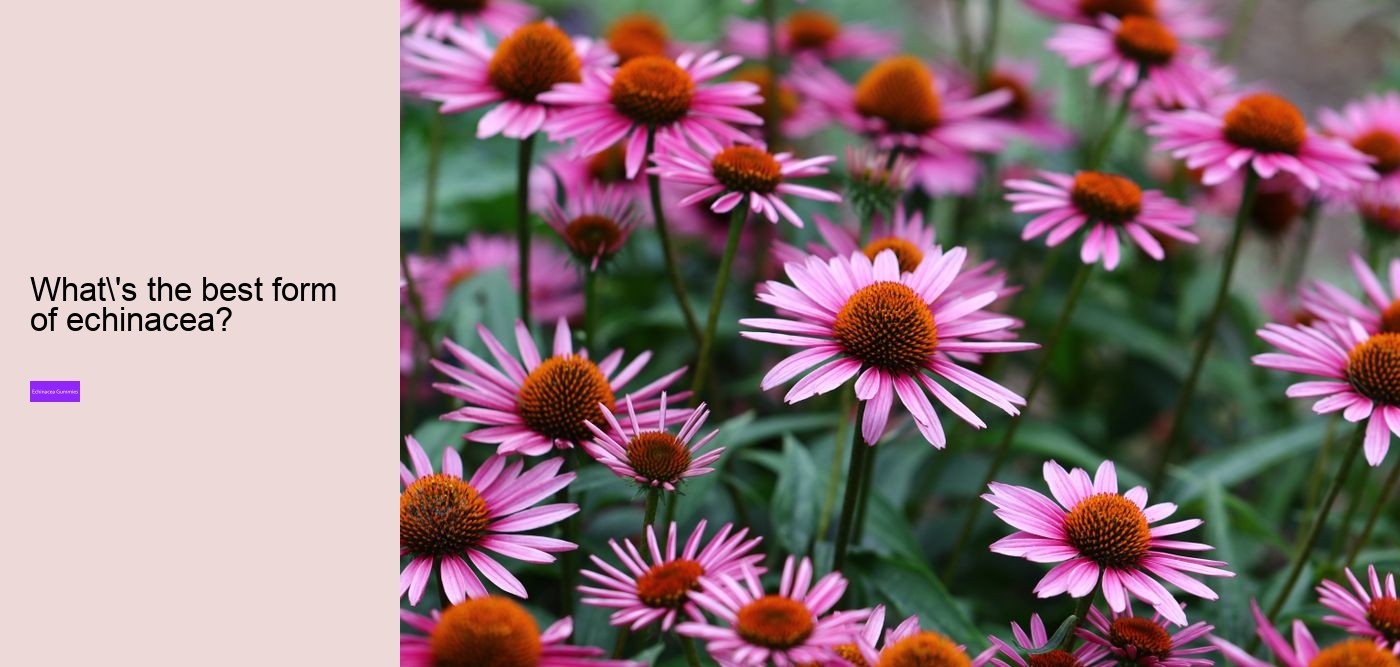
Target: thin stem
pixel 436 129
pixel 1081 611
pixel 867 471
pixel 989 41
pixel 1222 293
pixel 1344 529
pixel 667 251
pixel 1381 504
pixel 833 481
pixel 653 498
pixel 1076 288
pixel 692 655
pixel 848 506
pixel 419 321
pixel 962 32
pixel 620 646
pixel 1105 144
pixel 590 312
pixel 707 343
pixel 771 109
pixel 522 222
pixel 1320 466
pixel 1300 254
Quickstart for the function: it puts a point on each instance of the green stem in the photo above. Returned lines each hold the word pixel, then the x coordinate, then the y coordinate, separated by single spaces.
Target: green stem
pixel 1300 254
pixel 653 499
pixel 1319 467
pixel 1076 288
pixel 867 470
pixel 848 506
pixel 989 41
pixel 667 251
pixel 1358 496
pixel 522 222
pixel 590 312
pixel 1081 611
pixel 1381 504
pixel 707 343
pixel 692 655
pixel 1105 144
pixel 771 109
pixel 620 646
pixel 833 481
pixel 962 31
pixel 1222 293
pixel 436 129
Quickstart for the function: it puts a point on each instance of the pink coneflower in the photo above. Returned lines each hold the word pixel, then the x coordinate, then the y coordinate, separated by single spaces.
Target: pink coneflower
pixel 876 180
pixel 1379 208
pixel 787 628
pixel 907 235
pixel 562 176
pixel 594 224
pixel 734 174
pixel 664 588
pixel 445 520
pixel 675 97
pixel 1108 204
pixel 1372 126
pixel 493 631
pixel 1145 642
pixel 812 34
pixel 466 73
pixel 907 644
pixel 1363 379
pixel 1381 315
pixel 1373 612
pixel 654 458
pixel 1033 645
pixel 434 18
pixel 1096 531
pixel 637 35
pixel 1305 652
pixel 1188 18
pixel 555 289
pixel 546 403
pixel 1030 113
pixel 900 105
pixel 1136 51
pixel 854 317
pixel 1264 132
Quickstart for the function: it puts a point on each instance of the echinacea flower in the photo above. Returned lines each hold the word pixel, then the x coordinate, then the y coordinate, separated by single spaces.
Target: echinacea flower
pixel 891 331
pixel 1188 18
pixel 1261 132
pixel 563 176
pixel 466 73
pixel 675 98
pixel 908 644
pixel 904 233
pixel 594 224
pixel 785 629
pixel 811 34
pixel 653 458
pixel 1030 113
pixel 555 290
pixel 1136 52
pixel 546 403
pixel 434 18
pixel 493 631
pixel 1372 126
pixel 661 590
pixel 1038 653
pixel 876 181
pixel 445 521
pixel 742 174
pixel 1305 652
pixel 1097 534
pixel 1380 315
pixel 1379 209
pixel 1145 642
pixel 1365 612
pixel 1363 380
pixel 637 35
pixel 1108 204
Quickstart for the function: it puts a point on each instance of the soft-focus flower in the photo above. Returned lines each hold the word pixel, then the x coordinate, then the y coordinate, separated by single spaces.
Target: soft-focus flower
pixel 1363 379
pixel 1188 18
pixel 637 35
pixel 1096 533
pixel 1305 652
pixel 1279 203
pixel 562 176
pixel 1034 645
pixel 1137 50
pixel 676 97
pixel 1380 315
pixel 813 34
pixel 1030 113
pixel 493 631
pixel 1108 204
pixel 1379 208
pixel 906 234
pixel 876 180
pixel 466 73
pixel 594 224
pixel 1263 132
pixel 787 628
pixel 798 115
pixel 546 403
pixel 1365 612
pixel 1372 126
pixel 555 289
pixel 664 588
pixel 907 644
pixel 445 521
pixel 434 18
pixel 653 458
pixel 1145 642
pixel 890 330
pixel 734 174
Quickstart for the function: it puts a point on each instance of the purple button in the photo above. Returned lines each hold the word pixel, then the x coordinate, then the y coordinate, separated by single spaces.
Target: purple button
pixel 54 391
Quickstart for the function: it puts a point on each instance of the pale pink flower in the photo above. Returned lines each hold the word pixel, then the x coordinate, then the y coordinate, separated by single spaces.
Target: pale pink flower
pixel 555 289
pixel 908 644
pixel 1372 126
pixel 1372 612
pixel 747 175
pixel 476 632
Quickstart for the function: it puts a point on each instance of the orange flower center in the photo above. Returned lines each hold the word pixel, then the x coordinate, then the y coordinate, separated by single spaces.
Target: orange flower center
pixel 775 622
pixel 1142 634
pixel 900 91
pixel 808 29
pixel 666 585
pixel 486 632
pixel 1382 216
pixel 851 653
pixel 888 326
pixel 658 455
pixel 747 169
pixel 1373 368
pixel 652 90
pixel 637 35
pixel 1382 145
pixel 925 649
pixel 531 60
pixel 1384 615
pixel 609 165
pixel 1274 212
pixel 908 254
pixel 1021 100
pixel 1118 8
pixel 1390 317
pixel 1109 530
pixel 1354 653
pixel 1056 658
pixel 1145 40
pixel 760 76
pixel 593 235
pixel 1266 123
pixel 1106 197
pixel 460 6
pixel 439 515
pixel 560 394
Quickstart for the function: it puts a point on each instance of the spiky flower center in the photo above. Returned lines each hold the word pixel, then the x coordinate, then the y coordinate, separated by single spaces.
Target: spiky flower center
pixel 459 6
pixel 1384 615
pixel 652 90
pixel 1106 197
pixel 759 76
pixel 1109 530
pixel 531 60
pixel 1145 40
pixel 747 169
pixel 808 29
pixel 1373 368
pixel 1021 99
pixel 888 326
pixel 1382 145
pixel 486 632
pixel 851 653
pixel 609 165
pixel 925 649
pixel 1143 635
pixel 665 586
pixel 593 235
pixel 1056 658
pixel 1119 8
pixel 909 255
pixel 439 515
pixel 657 455
pixel 560 394
pixel 637 35
pixel 1266 123
pixel 1354 653
pixel 775 622
pixel 900 91
pixel 1274 212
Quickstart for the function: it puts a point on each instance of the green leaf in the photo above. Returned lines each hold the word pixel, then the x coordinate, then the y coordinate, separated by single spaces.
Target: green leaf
pixel 1246 461
pixel 914 589
pixel 487 299
pixel 891 530
pixel 1233 617
pixel 794 506
pixel 1053 442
